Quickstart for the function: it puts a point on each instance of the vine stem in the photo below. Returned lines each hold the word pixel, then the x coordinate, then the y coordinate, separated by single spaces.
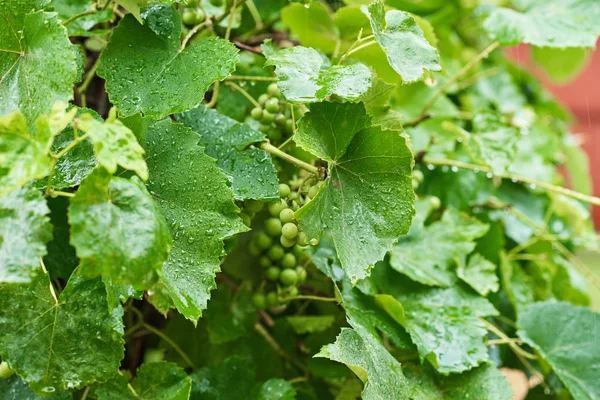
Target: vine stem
pixel 310 297
pixel 243 92
pixel 92 10
pixel 215 95
pixel 59 193
pixel 89 76
pixel 277 348
pixel 269 148
pixel 251 78
pixel 191 33
pixel 495 342
pixel 359 39
pixel 171 343
pixel 517 178
pixel 484 53
pixel 511 342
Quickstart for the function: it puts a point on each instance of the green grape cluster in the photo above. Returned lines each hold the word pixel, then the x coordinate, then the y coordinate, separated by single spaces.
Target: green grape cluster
pixel 273 115
pixel 300 190
pixel 280 252
pixel 193 14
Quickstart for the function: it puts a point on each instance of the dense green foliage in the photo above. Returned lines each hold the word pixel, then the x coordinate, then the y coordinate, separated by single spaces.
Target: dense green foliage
pixel 237 199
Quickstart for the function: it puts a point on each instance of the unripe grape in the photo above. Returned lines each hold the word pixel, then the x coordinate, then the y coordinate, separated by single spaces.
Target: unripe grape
pixel 262 99
pixel 264 261
pixel 259 301
pixel 280 120
pixel 285 242
pixel 292 291
pixel 299 251
pixel 273 273
pixel 246 219
pixel 274 135
pixel 286 215
pixel 435 202
pixel 301 272
pixel 5 370
pixel 256 113
pixel 272 299
pixel 276 207
pixel 217 3
pixel 289 230
pixel 301 239
pixel 276 252
pixel 312 192
pixel 273 226
pixel 253 206
pixel 272 106
pixel 253 249
pixel 288 277
pixel 284 190
pixel 289 126
pixel 415 184
pixel 288 260
pixel 267 117
pixel 418 175
pixel 263 241
pixel 273 90
pixel 154 355
pixel 188 17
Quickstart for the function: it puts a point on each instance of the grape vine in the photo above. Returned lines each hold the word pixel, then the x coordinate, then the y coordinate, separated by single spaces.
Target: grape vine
pixel 251 199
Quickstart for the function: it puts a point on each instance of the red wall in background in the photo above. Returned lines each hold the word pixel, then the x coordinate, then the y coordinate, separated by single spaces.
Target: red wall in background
pixel 582 97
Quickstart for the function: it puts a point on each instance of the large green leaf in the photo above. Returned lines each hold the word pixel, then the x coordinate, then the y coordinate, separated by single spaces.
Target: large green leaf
pixel 443 322
pixel 306 76
pixel 24 231
pixel 567 337
pixel 484 382
pixel 403 42
pixel 367 200
pixel 15 388
pixel 158 380
pixel 251 170
pixel 71 341
pixel 561 65
pixel 546 23
pixel 312 26
pixel 370 361
pixel 479 273
pixel 118 231
pixel 157 78
pixel 229 315
pixel 428 255
pixel 193 195
pixel 114 144
pixel 37 64
pixel 23 155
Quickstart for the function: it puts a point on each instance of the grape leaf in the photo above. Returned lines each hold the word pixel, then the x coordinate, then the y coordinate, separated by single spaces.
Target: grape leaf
pixel 114 144
pixel 443 322
pixel 403 42
pixel 561 65
pixel 118 231
pixel 427 255
pixel 157 380
pixel 71 341
pixel 158 78
pixel 193 195
pixel 251 170
pixel 15 388
pixel 567 337
pixel 23 155
pixel 409 100
pixel 276 389
pixel 229 316
pixel 24 231
pixel 479 273
pixel 380 373
pixel 37 65
pixel 305 76
pixel 78 162
pixel 484 382
pixel 515 283
pixel 312 26
pixel 82 25
pixel 546 23
pixel 303 324
pixel 367 200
